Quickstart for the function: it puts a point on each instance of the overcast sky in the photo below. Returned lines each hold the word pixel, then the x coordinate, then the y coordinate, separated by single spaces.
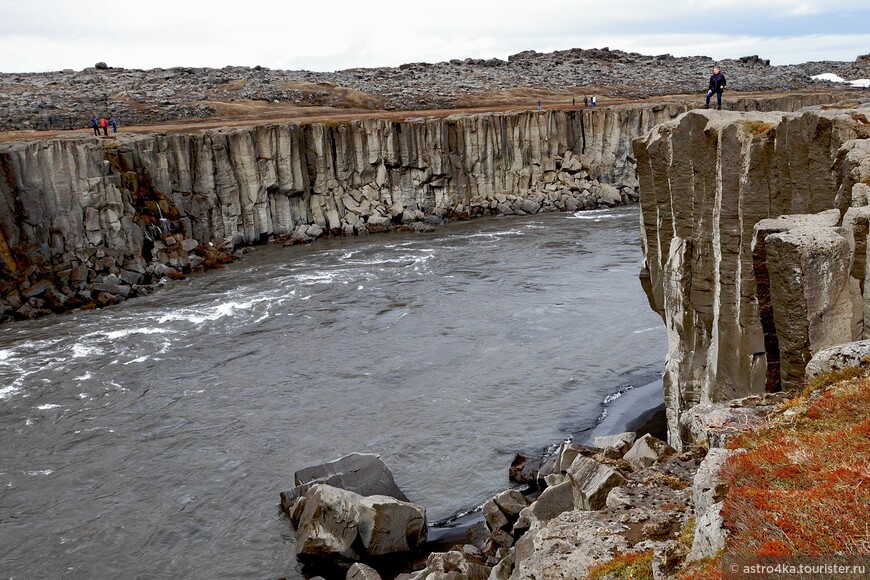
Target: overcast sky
pixel 42 35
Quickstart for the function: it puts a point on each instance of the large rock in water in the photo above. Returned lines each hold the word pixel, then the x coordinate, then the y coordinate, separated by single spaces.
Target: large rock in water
pixel 362 473
pixel 706 179
pixel 339 524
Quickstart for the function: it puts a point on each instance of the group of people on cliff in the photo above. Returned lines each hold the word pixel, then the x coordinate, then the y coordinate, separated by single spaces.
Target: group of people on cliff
pixel 586 101
pixel 104 124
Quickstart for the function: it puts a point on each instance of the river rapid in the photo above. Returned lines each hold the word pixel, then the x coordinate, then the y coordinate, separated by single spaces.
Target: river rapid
pixel 151 439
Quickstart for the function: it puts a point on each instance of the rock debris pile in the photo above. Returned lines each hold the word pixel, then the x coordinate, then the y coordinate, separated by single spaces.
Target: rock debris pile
pixel 574 510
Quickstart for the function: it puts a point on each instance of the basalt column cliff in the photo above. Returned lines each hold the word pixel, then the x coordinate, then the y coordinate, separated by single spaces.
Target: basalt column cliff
pixel 755 246
pixel 90 220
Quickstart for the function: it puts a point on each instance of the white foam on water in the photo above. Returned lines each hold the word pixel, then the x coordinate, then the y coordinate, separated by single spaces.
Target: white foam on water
pixel 496 235
pixel 613 396
pixel 116 334
pixel 48 406
pixel 18 363
pixel 400 259
pixel 594 215
pixel 83 395
pixel 136 360
pixel 222 310
pixel 117 386
pixel 397 245
pixel 92 429
pixel 650 329
pixel 83 350
pixel 83 377
pixel 609 399
pixel 28 422
pixel 41 472
pixel 316 277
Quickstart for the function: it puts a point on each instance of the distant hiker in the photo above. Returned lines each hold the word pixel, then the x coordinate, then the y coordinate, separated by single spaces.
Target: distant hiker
pixel 105 126
pixel 539 104
pixel 95 125
pixel 717 85
pixel 573 102
pixel 114 124
pixel 593 100
pixel 585 101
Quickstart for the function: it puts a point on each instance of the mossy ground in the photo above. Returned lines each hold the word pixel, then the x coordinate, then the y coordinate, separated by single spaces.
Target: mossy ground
pixel 803 485
pixel 801 488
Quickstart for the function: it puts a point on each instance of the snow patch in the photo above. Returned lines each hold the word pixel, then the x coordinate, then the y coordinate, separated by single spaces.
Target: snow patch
pixel 831 77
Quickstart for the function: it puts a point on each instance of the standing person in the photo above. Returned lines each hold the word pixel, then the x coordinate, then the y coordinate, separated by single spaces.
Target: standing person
pixel 593 100
pixel 104 125
pixel 717 85
pixel 114 123
pixel 573 102
pixel 95 125
pixel 539 104
pixel 585 101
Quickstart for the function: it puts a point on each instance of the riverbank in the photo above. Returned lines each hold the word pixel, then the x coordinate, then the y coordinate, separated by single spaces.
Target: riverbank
pixel 772 479
pixel 639 409
pixel 473 529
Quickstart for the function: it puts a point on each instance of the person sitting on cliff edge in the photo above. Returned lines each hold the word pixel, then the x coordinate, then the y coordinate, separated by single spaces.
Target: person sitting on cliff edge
pixel 717 85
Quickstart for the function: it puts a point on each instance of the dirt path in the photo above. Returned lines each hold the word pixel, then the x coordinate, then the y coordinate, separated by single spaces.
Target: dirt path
pixel 245 114
pixel 260 113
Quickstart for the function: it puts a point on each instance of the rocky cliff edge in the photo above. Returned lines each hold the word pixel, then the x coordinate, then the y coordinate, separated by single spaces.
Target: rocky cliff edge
pixel 755 246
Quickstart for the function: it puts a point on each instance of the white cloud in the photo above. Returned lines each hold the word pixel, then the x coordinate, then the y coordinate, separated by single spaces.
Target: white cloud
pixel 54 34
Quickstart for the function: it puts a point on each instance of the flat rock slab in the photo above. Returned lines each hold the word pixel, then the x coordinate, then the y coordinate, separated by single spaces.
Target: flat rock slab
pixel 362 473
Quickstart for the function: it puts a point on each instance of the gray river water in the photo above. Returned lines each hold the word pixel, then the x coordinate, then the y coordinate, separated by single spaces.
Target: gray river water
pixel 151 439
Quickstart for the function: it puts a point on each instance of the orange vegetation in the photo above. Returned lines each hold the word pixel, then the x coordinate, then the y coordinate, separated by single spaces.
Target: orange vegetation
pixel 629 566
pixel 803 486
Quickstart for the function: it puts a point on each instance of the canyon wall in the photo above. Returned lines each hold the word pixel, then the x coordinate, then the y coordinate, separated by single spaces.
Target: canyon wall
pixel 755 243
pixel 88 218
pixel 91 221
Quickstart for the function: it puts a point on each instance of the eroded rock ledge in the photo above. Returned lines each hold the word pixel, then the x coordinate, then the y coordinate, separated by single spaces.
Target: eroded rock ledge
pixel 748 296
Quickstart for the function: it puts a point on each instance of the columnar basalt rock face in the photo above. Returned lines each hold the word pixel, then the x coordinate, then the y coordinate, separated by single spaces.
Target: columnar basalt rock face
pixel 746 304
pixel 63 199
pixel 79 214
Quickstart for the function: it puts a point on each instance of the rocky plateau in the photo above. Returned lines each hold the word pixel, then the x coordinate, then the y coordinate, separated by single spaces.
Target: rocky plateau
pixel 68 99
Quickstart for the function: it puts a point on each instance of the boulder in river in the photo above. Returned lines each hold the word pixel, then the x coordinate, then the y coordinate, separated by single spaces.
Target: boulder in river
pixel 362 473
pixel 337 523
